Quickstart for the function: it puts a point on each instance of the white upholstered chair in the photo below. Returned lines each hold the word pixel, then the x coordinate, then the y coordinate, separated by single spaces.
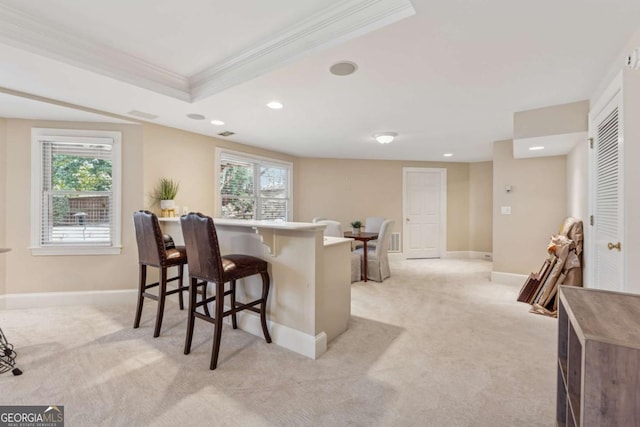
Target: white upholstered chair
pixel 334 229
pixel 377 257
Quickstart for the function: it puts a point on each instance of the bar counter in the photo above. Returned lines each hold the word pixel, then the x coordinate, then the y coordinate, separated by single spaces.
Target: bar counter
pixel 310 297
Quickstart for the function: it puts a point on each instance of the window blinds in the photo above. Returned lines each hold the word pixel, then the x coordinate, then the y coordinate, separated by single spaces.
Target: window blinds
pixel 253 188
pixel 77 196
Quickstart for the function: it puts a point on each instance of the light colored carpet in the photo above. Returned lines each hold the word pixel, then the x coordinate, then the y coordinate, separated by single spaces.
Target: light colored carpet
pixel 437 344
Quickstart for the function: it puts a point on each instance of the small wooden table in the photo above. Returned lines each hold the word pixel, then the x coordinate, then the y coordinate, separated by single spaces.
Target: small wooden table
pixel 364 238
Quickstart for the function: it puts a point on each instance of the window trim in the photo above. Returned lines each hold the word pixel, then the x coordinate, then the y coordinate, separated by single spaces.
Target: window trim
pixel 38 135
pixel 259 160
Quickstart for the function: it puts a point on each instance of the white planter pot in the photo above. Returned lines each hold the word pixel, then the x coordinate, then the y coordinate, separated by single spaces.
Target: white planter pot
pixel 166 204
pixel 355 231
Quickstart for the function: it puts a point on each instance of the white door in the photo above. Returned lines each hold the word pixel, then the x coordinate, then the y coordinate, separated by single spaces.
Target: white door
pixel 608 220
pixel 424 207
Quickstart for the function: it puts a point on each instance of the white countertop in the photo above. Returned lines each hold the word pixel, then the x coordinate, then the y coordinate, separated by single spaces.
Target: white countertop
pixel 330 241
pixel 270 224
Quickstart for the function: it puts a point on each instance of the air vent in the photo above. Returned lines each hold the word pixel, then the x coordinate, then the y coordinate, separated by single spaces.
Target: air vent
pixel 394 242
pixel 142 115
pixel 226 133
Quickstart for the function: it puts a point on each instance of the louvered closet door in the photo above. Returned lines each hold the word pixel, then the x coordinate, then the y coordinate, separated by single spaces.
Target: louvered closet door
pixel 609 219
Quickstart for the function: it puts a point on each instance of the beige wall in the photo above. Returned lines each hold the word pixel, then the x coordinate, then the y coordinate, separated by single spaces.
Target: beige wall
pixel 538 203
pixel 340 189
pixel 190 159
pixel 345 190
pixel 26 273
pixel 149 152
pixel 481 206
pixel 3 204
pixel 554 120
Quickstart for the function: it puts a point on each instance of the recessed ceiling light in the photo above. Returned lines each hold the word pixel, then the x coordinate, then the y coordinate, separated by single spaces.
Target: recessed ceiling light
pixel 385 137
pixel 217 122
pixel 343 68
pixel 195 116
pixel 536 148
pixel 448 154
pixel 275 105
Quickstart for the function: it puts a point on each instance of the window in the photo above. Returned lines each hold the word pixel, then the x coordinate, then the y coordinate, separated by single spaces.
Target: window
pixel 75 192
pixel 254 187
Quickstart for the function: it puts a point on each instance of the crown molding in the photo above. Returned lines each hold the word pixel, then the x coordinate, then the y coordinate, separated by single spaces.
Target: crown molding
pixel 20 30
pixel 329 27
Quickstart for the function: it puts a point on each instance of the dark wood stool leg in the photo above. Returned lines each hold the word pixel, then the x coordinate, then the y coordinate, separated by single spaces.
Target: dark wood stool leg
pixel 193 290
pixel 205 284
pixel 181 285
pixel 162 293
pixel 234 317
pixel 141 286
pixel 263 305
pixel 218 325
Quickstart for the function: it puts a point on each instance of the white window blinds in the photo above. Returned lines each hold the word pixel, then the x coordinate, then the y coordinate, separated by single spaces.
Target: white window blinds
pixel 76 203
pixel 253 188
pixel 76 193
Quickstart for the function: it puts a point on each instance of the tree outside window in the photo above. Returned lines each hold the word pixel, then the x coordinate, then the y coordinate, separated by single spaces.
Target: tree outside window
pixel 254 189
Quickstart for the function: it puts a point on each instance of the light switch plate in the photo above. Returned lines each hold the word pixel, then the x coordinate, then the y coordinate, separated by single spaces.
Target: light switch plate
pixel 505 210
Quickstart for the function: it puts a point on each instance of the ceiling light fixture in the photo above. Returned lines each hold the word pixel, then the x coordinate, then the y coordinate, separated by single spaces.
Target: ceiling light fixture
pixel 275 105
pixel 217 122
pixel 448 154
pixel 536 148
pixel 385 137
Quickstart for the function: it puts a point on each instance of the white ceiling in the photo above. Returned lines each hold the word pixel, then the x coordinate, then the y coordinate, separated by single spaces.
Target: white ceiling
pixel 447 76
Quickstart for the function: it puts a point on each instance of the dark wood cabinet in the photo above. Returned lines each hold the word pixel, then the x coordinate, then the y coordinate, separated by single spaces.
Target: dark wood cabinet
pixel 598 358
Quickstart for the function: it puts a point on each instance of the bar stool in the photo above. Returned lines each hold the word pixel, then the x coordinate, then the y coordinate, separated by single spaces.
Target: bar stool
pixel 152 252
pixel 207 265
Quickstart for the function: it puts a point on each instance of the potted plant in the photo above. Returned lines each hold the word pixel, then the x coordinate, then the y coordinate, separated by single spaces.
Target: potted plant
pixel 356 226
pixel 166 193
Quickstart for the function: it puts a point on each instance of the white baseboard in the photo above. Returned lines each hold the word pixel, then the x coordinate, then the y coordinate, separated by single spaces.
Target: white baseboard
pixel 284 336
pixel 508 278
pixel 57 299
pixel 469 255
pixel 399 256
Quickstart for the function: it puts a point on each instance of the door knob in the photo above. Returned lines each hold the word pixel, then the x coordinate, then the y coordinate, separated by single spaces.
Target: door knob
pixel 617 246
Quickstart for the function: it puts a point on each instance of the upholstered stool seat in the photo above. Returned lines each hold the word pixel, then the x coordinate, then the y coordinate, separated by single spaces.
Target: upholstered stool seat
pixel 152 252
pixel 206 264
pixel 179 254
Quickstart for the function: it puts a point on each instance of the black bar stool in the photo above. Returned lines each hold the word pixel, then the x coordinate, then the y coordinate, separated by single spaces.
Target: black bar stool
pixel 207 265
pixel 152 252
